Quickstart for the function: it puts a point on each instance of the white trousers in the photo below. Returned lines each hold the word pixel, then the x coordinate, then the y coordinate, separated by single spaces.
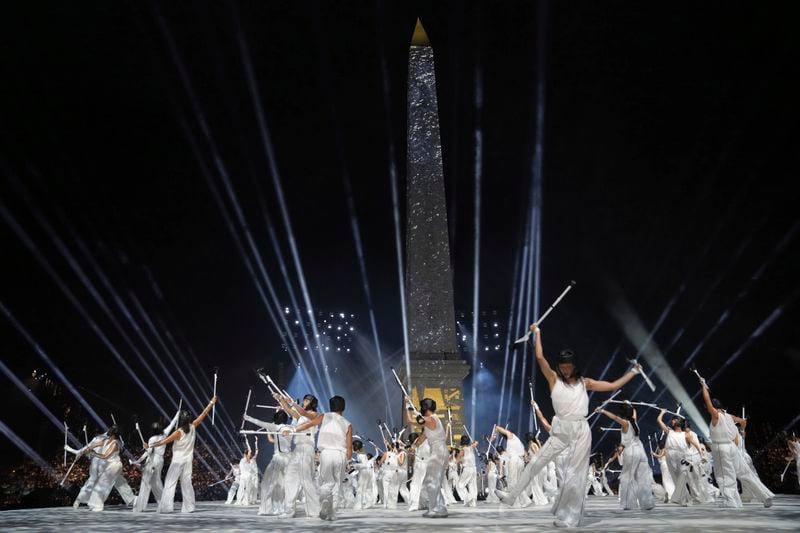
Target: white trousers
pixel 178 472
pixel 467 487
pixel 575 437
pixel 105 482
pixel 436 478
pixel 331 471
pixel 365 495
pixel 420 467
pixel 232 491
pixel 273 495
pixel 636 479
pixel 300 476
pixel 391 487
pixel 151 482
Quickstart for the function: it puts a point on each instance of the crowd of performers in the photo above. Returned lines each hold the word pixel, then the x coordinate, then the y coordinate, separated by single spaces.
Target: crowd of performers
pixel 319 466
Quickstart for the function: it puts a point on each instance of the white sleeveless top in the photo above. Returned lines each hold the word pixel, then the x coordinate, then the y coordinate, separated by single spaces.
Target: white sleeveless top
pixel 304 440
pixel 333 432
pixel 721 432
pixel 157 452
pixel 423 451
pixel 676 440
pixel 570 401
pixel 436 435
pixel 629 438
pixel 469 458
pixel 183 448
pixel 114 457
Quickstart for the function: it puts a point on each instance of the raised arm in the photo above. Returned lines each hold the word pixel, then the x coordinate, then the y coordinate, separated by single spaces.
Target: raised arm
pixel 172 424
pixel 710 406
pixel 545 423
pixel 503 431
pixel 548 373
pixel 660 421
pixel 316 421
pixel 197 421
pixel 349 442
pixel 410 417
pixel 269 426
pixel 611 386
pixel 619 420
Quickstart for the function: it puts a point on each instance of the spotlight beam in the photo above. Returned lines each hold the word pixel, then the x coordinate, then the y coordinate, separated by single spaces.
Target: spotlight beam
pixel 476 273
pixel 509 337
pixel 27 450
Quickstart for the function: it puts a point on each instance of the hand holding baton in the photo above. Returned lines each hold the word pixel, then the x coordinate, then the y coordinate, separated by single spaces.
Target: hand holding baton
pixel 66 435
pixel 405 394
pixel 246 405
pixel 533 404
pixel 693 368
pixel 140 433
pixel 640 370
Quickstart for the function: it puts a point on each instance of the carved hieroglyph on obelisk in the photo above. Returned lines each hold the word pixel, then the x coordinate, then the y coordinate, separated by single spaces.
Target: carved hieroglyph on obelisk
pixel 437 370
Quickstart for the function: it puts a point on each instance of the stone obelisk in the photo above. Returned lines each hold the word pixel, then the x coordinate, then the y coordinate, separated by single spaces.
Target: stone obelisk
pixel 437 370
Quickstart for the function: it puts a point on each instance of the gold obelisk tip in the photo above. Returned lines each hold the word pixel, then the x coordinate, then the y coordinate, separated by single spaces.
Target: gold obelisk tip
pixel 420 37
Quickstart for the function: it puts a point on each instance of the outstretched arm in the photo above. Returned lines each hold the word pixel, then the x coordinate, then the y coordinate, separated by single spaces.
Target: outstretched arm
pixel 619 420
pixel 172 424
pixel 610 386
pixel 316 421
pixel 503 431
pixel 163 442
pixel 197 421
pixel 269 426
pixel 544 366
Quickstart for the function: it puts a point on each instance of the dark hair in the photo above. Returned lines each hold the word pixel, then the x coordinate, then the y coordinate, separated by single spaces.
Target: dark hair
pixel 336 404
pixel 500 449
pixel 357 445
pixel 627 413
pixel 564 357
pixel 280 417
pixel 412 437
pixel 681 422
pixel 427 404
pixel 313 403
pixel 718 404
pixel 184 421
pixel 370 456
pixel 113 431
pixel 530 437
pixel 464 440
pixel 156 427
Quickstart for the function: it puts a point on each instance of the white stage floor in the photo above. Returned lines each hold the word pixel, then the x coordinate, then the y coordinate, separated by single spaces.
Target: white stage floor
pixel 602 514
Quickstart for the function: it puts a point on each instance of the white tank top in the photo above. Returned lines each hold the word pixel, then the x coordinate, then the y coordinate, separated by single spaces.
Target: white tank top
pixel 515 447
pixel 304 440
pixel 107 446
pixel 333 432
pixel 159 450
pixel 570 401
pixel 423 451
pixel 629 437
pixel 469 458
pixel 183 448
pixel 720 432
pixel 676 440
pixel 436 435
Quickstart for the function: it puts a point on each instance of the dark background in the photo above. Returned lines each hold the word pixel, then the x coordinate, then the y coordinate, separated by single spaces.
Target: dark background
pixel 670 167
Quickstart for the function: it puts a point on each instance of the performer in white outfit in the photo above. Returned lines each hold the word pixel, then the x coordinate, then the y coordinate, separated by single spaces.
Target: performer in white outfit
pixel 794 448
pixel 682 467
pixel 636 485
pixel 393 462
pixel 436 470
pixel 491 479
pixel 302 467
pixel 274 480
pixel 468 480
pixel 111 467
pixel 248 485
pixel 536 489
pixel 153 465
pixel 515 462
pixel 95 468
pixel 729 463
pixel 236 472
pixel 336 448
pixel 570 431
pixel 666 477
pixel 451 483
pixel 364 465
pixel 180 469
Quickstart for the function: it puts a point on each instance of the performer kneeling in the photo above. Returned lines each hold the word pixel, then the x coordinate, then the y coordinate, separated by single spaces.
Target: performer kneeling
pixel 570 430
pixel 181 466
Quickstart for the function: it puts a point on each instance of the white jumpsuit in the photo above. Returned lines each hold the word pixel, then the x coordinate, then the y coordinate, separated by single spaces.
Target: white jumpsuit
pixel 636 486
pixel 332 444
pixel 151 472
pixel 420 467
pixel 570 434
pixel 491 482
pixel 467 482
pixel 300 475
pixel 110 471
pixel 666 477
pixel 436 471
pixel 274 479
pixel 180 470
pixel 365 496
pixel 237 479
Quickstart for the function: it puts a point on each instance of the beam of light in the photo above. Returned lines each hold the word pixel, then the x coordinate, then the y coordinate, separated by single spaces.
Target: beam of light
pixel 271 303
pixel 387 104
pixel 527 319
pixel 200 116
pixel 509 337
pixel 34 250
pixel 90 287
pixel 276 183
pixel 27 450
pixel 476 272
pixel 518 322
pixel 59 424
pixel 636 334
pixel 765 324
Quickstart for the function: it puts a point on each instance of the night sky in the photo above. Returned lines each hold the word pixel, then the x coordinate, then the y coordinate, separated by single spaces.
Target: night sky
pixel 670 170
